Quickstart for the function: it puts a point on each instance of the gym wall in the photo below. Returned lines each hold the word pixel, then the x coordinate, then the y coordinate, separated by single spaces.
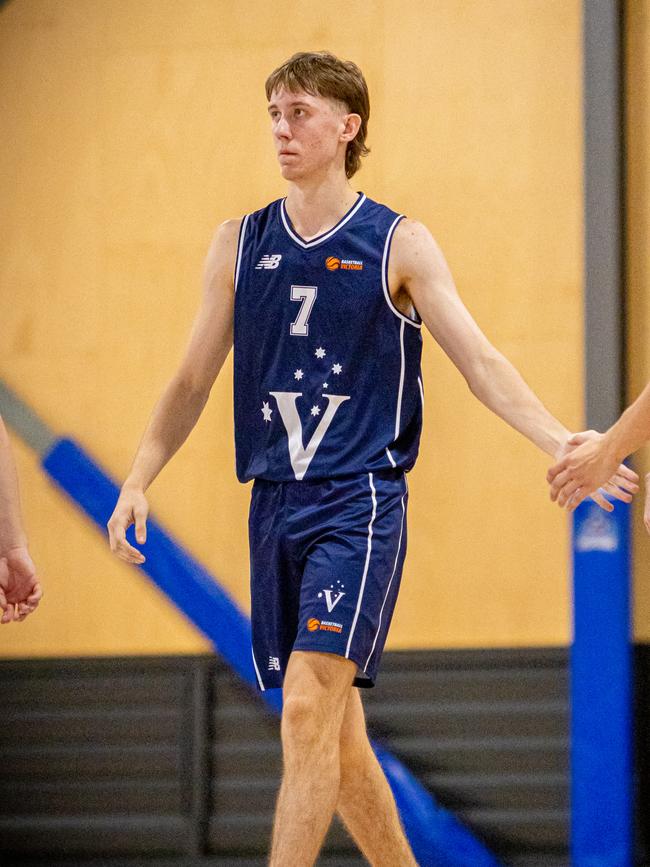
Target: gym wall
pixel 637 63
pixel 135 129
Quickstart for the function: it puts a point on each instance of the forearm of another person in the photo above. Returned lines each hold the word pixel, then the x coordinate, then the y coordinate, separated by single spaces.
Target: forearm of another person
pixel 12 534
pixel 20 589
pixel 632 429
pixel 183 400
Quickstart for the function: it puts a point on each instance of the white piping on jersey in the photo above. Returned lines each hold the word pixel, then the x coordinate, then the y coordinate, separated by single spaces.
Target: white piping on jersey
pixel 421 391
pixel 257 672
pixel 365 568
pixel 399 547
pixel 384 275
pixel 401 381
pixel 319 240
pixel 391 458
pixel 240 248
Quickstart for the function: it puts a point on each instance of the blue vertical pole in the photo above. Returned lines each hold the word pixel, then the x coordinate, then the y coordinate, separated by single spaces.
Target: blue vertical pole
pixel 601 690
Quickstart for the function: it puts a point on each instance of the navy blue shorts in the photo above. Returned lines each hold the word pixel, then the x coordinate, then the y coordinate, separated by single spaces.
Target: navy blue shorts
pixel 326 563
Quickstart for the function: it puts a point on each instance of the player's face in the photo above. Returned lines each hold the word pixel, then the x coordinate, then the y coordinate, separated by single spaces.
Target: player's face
pixel 307 132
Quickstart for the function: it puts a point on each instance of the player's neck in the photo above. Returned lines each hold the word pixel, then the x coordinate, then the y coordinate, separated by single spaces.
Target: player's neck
pixel 315 206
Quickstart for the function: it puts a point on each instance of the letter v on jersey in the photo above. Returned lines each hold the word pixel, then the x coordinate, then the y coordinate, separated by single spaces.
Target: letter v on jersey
pixel 301 456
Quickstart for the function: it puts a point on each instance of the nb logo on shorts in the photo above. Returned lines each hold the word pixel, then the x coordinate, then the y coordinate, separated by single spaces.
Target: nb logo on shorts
pixel 269 261
pixel 274 663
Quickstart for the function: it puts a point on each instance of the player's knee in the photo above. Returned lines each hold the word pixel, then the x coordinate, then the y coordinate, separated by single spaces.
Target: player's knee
pixel 301 720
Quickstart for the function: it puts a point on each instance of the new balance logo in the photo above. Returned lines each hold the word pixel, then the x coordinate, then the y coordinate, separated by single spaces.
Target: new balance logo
pixel 274 663
pixel 269 262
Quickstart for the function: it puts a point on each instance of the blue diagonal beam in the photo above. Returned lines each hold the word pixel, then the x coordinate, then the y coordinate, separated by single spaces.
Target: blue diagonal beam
pixel 436 836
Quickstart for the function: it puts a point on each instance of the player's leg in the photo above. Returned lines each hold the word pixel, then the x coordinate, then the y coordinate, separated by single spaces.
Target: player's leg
pixel 316 690
pixel 365 801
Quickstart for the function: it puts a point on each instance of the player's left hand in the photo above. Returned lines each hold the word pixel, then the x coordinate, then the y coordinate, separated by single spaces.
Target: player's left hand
pixel 586 467
pixel 20 590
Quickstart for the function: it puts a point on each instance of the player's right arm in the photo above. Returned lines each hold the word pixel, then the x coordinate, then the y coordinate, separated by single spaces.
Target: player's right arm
pixel 184 397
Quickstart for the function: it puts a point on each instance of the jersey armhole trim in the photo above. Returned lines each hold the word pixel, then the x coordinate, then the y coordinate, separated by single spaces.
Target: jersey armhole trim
pixel 384 275
pixel 240 249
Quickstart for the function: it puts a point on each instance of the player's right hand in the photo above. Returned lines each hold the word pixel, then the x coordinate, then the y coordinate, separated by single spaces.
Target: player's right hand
pixel 131 508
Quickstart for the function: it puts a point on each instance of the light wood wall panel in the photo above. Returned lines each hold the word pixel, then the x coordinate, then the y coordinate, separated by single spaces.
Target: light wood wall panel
pixel 638 264
pixel 134 129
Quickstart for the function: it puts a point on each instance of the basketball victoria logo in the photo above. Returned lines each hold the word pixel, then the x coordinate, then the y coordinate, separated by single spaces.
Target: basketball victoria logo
pixel 300 455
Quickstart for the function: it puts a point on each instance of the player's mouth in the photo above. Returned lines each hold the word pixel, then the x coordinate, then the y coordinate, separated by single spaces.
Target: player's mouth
pixel 287 154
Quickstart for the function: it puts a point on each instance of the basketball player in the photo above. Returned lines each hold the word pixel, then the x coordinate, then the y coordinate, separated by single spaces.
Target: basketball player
pixel 583 470
pixel 324 294
pixel 20 590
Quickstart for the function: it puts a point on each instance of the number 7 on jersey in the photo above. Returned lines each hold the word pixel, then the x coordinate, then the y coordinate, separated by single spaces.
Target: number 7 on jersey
pixel 307 294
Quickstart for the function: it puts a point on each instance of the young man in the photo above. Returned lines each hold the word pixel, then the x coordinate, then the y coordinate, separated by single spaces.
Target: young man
pixel 324 293
pixel 20 590
pixel 583 470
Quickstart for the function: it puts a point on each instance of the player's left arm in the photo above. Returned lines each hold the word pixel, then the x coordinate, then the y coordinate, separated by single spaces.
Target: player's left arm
pixel 419 267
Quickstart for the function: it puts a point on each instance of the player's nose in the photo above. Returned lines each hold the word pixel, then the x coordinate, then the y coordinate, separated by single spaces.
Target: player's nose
pixel 282 129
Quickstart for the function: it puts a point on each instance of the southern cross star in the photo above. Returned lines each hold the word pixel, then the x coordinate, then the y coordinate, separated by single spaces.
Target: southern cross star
pixel 336 368
pixel 298 374
pixel 320 352
pixel 315 410
pixel 266 411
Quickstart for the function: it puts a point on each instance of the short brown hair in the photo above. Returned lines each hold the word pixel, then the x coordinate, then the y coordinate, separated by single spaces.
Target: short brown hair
pixel 322 74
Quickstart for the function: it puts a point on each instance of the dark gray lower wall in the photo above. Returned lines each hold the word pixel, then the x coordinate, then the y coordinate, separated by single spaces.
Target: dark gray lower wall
pixel 170 761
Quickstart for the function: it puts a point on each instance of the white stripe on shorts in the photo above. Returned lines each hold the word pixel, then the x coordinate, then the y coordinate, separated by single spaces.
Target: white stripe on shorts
pixel 365 569
pixel 257 672
pixel 399 547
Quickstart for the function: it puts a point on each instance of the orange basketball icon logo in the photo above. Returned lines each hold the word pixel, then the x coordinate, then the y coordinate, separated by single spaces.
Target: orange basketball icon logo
pixel 332 263
pixel 312 624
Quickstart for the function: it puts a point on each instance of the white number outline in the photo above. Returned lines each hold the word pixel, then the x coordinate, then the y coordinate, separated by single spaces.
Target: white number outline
pixel 307 294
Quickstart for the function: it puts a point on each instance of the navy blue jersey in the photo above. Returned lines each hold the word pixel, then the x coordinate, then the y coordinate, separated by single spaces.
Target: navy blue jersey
pixel 327 370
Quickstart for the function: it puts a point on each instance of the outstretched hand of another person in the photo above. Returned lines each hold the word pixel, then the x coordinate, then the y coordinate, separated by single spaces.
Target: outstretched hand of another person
pixel 588 465
pixel 20 590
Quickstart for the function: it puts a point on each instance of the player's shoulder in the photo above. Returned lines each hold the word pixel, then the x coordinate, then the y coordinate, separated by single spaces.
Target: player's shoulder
pixel 222 251
pixel 412 231
pixel 410 239
pixel 229 230
pixel 414 249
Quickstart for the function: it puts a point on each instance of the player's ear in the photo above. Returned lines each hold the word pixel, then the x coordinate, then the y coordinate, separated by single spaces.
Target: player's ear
pixel 351 128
